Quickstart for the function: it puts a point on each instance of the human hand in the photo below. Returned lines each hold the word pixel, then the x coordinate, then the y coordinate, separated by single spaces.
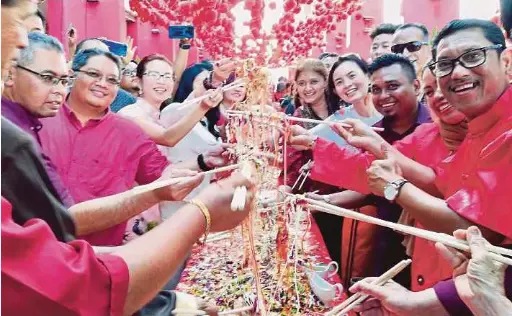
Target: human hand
pixel 215 97
pixel 217 198
pixel 479 279
pixel 300 138
pixel 359 135
pixel 208 307
pixel 386 300
pixel 383 172
pixel 130 52
pixel 217 156
pixel 179 190
pixel 223 68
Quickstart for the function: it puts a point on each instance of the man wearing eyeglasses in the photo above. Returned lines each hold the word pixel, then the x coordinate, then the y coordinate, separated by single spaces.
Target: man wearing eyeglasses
pixel 411 40
pixel 36 88
pixel 474 182
pixel 506 21
pixel 129 80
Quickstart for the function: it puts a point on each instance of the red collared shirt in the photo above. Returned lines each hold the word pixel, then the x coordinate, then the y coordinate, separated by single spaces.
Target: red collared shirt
pixel 476 180
pixel 426 147
pixel 104 157
pixel 42 276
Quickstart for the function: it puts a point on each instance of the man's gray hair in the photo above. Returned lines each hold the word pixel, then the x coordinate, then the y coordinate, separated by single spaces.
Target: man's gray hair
pixel 36 41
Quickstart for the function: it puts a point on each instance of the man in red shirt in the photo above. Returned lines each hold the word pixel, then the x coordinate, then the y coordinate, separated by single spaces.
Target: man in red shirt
pixel 36 88
pixel 73 280
pixel 475 181
pixel 96 152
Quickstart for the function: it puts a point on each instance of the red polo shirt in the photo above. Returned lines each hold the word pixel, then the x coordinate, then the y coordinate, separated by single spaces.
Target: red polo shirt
pixel 42 276
pixel 104 157
pixel 476 180
pixel 424 146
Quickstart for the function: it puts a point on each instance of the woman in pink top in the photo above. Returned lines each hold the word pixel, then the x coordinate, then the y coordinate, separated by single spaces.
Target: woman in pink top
pixel 156 77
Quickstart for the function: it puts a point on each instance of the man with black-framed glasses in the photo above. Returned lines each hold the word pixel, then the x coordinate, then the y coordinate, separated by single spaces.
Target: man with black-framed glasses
pixel 473 183
pixel 411 40
pixel 36 88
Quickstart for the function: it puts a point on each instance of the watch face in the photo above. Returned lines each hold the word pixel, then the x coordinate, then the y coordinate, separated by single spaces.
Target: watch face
pixel 390 192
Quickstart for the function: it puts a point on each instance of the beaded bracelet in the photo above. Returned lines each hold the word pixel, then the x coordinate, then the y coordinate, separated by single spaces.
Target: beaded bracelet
pixel 206 214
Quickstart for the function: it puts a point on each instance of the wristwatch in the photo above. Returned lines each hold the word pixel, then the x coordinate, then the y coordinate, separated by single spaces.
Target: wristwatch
pixel 185 44
pixel 392 190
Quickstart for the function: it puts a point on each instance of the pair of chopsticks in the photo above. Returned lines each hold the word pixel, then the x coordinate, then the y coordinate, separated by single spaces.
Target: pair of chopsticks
pixel 235 84
pixel 304 175
pixel 358 298
pixel 330 123
pixel 496 253
pixel 162 183
pixel 200 312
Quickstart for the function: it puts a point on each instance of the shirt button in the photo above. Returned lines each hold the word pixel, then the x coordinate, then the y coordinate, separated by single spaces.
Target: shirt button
pixel 420 280
pixel 465 176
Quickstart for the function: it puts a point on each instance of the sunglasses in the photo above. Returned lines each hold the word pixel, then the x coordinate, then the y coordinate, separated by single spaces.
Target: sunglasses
pixel 410 46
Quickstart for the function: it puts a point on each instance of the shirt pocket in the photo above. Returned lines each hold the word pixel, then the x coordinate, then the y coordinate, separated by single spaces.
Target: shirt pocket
pixel 101 177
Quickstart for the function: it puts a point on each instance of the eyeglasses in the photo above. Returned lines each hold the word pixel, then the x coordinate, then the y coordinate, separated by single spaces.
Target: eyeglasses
pixel 468 60
pixel 156 75
pixel 129 73
pixel 50 80
pixel 410 46
pixel 97 76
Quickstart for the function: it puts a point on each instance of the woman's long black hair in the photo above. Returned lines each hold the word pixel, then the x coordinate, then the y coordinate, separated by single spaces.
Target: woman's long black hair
pixel 333 98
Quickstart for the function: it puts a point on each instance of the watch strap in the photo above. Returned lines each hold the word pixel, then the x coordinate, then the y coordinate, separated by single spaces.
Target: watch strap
pixel 399 185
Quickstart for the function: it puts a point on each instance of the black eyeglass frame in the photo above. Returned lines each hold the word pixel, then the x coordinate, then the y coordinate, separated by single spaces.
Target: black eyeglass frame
pixel 66 82
pixel 89 74
pixel 459 61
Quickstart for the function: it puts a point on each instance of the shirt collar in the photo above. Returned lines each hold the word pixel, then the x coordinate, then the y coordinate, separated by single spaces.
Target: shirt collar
pixel 17 114
pixel 502 108
pixel 423 116
pixel 71 115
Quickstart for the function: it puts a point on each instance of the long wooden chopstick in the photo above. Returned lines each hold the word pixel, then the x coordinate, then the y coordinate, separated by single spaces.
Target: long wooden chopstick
pixel 162 183
pixel 494 251
pixel 294 119
pixel 358 297
pixel 183 311
pixel 236 310
pixel 200 312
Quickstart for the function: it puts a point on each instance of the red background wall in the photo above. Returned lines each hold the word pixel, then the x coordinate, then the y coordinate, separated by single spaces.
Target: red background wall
pixel 108 18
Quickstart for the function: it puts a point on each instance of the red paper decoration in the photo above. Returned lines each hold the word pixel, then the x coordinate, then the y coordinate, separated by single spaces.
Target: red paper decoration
pixel 214 25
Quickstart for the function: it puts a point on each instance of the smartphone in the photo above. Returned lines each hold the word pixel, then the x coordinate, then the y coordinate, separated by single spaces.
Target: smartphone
pixel 181 31
pixel 116 48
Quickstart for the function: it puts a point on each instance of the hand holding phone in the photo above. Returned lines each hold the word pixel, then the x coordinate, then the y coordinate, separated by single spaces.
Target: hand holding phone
pixel 72 35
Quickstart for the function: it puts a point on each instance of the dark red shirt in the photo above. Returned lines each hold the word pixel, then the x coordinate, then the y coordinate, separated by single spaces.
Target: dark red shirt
pixel 105 157
pixel 17 114
pixel 42 276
